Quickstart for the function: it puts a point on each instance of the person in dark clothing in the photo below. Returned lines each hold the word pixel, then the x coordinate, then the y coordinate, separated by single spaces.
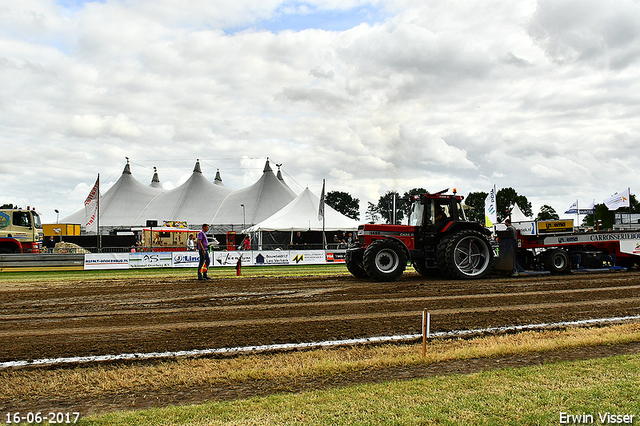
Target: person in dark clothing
pixel 514 236
pixel 50 244
pixel 298 241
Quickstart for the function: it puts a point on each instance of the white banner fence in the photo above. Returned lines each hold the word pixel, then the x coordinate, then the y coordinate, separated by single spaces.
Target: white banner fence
pixel 189 259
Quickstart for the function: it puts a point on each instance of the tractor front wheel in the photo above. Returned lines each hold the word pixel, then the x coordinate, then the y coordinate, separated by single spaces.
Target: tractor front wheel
pixel 353 259
pixel 384 260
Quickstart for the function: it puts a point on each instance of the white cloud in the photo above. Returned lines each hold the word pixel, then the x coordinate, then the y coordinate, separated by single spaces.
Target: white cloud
pixel 538 96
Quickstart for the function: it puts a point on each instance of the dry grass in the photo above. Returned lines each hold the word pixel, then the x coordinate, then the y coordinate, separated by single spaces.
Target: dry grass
pixel 92 381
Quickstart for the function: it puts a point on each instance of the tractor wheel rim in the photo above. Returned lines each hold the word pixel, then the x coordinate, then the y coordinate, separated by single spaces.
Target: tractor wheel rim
pixel 386 260
pixel 471 256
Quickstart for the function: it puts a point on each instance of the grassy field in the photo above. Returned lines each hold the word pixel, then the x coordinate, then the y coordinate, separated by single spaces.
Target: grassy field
pixel 531 395
pixel 527 396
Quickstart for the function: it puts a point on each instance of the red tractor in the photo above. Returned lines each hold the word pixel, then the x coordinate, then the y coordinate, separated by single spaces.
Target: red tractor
pixel 438 240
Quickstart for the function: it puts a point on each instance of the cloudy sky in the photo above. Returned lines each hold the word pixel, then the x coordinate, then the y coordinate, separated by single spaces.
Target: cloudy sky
pixel 542 96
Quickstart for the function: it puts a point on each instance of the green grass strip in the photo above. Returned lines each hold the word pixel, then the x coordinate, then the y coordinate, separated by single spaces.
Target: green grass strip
pixel 513 396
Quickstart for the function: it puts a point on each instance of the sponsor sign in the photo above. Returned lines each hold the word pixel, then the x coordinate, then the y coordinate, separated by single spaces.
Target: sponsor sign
pixel 186 259
pixel 106 261
pixel 335 257
pixel 630 247
pixel 555 226
pixel 274 257
pixel 230 258
pixel 623 237
pixel 150 260
pixel 306 257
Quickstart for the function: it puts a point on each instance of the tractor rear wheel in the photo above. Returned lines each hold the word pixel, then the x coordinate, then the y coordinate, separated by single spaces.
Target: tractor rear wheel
pixel 384 260
pixel 464 254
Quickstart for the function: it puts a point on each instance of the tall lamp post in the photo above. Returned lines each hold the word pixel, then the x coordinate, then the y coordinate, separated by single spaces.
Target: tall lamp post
pixel 57 215
pixel 244 220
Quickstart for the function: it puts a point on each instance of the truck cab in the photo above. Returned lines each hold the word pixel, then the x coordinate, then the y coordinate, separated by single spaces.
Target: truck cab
pixel 20 231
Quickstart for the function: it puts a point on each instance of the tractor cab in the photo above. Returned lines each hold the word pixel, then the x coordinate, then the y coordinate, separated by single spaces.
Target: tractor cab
pixel 432 212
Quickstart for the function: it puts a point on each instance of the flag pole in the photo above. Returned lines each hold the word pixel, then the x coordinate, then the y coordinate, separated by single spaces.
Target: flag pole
pixel 98 217
pixel 629 191
pixel 324 237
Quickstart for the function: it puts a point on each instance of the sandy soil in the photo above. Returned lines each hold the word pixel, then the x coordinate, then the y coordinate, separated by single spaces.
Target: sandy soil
pixel 99 317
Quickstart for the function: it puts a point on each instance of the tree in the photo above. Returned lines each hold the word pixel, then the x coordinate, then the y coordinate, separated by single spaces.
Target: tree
pixel 475 202
pixel 343 203
pixel 372 215
pixel 547 213
pixel 507 197
pixel 603 214
pixel 8 206
pixel 385 207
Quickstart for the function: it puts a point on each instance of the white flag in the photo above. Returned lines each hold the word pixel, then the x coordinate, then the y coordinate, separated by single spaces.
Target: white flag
pixel 619 200
pixel 321 205
pixel 91 208
pixel 490 209
pixel 573 209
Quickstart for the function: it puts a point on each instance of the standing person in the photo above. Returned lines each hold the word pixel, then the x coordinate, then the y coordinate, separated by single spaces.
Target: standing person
pixel 191 243
pixel 298 241
pixel 51 244
pixel 203 249
pixel 246 244
pixel 513 235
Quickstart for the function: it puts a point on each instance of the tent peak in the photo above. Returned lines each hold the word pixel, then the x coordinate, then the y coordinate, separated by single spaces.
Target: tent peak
pixel 197 168
pixel 267 167
pixel 218 177
pixel 127 168
pixel 155 181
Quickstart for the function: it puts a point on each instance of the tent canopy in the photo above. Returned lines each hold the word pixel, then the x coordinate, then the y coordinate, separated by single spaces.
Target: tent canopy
pixel 301 214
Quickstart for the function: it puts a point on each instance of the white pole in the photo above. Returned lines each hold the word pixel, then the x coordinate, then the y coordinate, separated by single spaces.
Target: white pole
pixel 428 324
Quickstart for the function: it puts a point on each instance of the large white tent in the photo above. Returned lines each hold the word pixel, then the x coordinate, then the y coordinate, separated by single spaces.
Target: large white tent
pixel 193 201
pixel 129 203
pixel 254 203
pixel 301 214
pixel 121 205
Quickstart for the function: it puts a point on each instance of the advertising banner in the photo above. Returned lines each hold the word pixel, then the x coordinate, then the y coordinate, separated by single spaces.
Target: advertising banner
pixel 230 258
pixel 185 259
pixel 106 261
pixel 630 247
pixel 554 226
pixel 151 260
pixel 335 257
pixel 306 257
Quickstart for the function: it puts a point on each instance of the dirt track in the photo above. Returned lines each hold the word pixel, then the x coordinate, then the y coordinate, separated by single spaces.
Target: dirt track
pixel 100 317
